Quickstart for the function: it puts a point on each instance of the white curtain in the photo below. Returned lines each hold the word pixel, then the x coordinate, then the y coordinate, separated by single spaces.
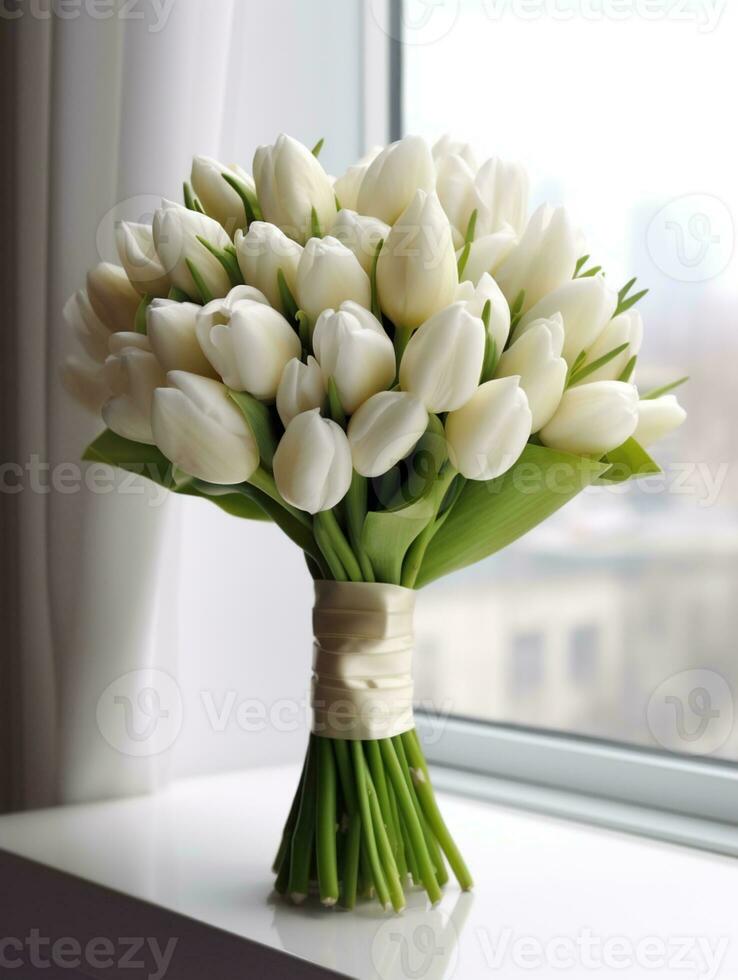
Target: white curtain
pixel 112 113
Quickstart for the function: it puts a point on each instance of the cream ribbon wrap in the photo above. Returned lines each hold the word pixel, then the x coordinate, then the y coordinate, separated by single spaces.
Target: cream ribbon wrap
pixel 362 684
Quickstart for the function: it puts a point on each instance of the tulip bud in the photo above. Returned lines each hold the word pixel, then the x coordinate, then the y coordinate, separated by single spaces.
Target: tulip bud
pixel 216 195
pixel 248 346
pixel 416 270
pixel 394 177
pixel 593 418
pixel 261 253
pixel 475 299
pixel 361 234
pixel 657 417
pixel 544 259
pixel 301 388
pixel 486 254
pixel 535 358
pixel 112 297
pixel 132 374
pixel 487 435
pixel 627 328
pixel 170 327
pixel 85 381
pixel 199 428
pixel 443 360
pixel 353 349
pixel 446 147
pixel 502 191
pixel 346 187
pixel 586 306
pixel 135 243
pixel 89 329
pixel 312 464
pixel 176 231
pixel 384 430
pixel 328 273
pixel 290 183
pixel 457 191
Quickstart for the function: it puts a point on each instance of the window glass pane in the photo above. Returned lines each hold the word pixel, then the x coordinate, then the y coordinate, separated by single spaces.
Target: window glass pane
pixel 618 617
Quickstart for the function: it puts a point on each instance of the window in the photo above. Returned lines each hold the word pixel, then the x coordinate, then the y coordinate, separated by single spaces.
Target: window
pixel 617 618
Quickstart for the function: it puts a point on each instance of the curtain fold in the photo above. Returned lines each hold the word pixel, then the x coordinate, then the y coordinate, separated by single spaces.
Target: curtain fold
pixel 112 111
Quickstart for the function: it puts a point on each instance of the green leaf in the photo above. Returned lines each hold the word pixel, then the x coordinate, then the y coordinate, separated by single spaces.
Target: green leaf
pixel 468 239
pixel 315 224
pixel 490 515
pixel 580 265
pixel 304 331
pixel 588 369
pixel 591 272
pixel 288 300
pixel 664 389
pixel 626 304
pixel 179 295
pixel 151 463
pixel 139 323
pixel 226 259
pixel 335 408
pixel 578 361
pixel 250 203
pixel 192 202
pixel 318 147
pixel 414 476
pixel 387 535
pixel 627 373
pixel 489 362
pixel 261 422
pixel 205 295
pixel 373 280
pixel 629 461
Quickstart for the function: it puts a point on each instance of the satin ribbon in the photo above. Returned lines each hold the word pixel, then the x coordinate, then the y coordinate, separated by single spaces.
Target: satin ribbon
pixel 362 684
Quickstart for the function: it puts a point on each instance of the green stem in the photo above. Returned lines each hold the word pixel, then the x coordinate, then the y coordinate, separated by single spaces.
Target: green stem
pixel 430 841
pixel 394 886
pixel 402 338
pixel 356 503
pixel 302 842
pixel 326 520
pixel 424 791
pixel 325 837
pixel 351 862
pixel 410 818
pixel 263 480
pixel 416 552
pixel 370 843
pixel 325 544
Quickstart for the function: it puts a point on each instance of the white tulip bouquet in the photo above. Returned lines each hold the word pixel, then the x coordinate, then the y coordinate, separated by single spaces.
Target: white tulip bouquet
pixel 405 373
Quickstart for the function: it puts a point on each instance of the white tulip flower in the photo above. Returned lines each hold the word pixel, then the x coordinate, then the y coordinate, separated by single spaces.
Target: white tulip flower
pixel 443 359
pixel 544 258
pixel 498 192
pixel 261 253
pixel 416 269
pixel 393 178
pixel 593 418
pixel 290 184
pixel 312 464
pixel 248 346
pixel 170 327
pixel 586 306
pixel 486 254
pixel 328 273
pixel 85 381
pixel 475 299
pixel 487 435
pixel 301 388
pixel 132 374
pixel 135 244
pixel 536 359
pixel 199 428
pixel 352 348
pixel 657 417
pixel 89 329
pixel 216 195
pixel 446 147
pixel 384 430
pixel 361 233
pixel 626 328
pixel 346 187
pixel 112 296
pixel 176 231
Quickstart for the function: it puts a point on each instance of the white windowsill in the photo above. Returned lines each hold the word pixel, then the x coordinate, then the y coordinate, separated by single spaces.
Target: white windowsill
pixel 203 848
